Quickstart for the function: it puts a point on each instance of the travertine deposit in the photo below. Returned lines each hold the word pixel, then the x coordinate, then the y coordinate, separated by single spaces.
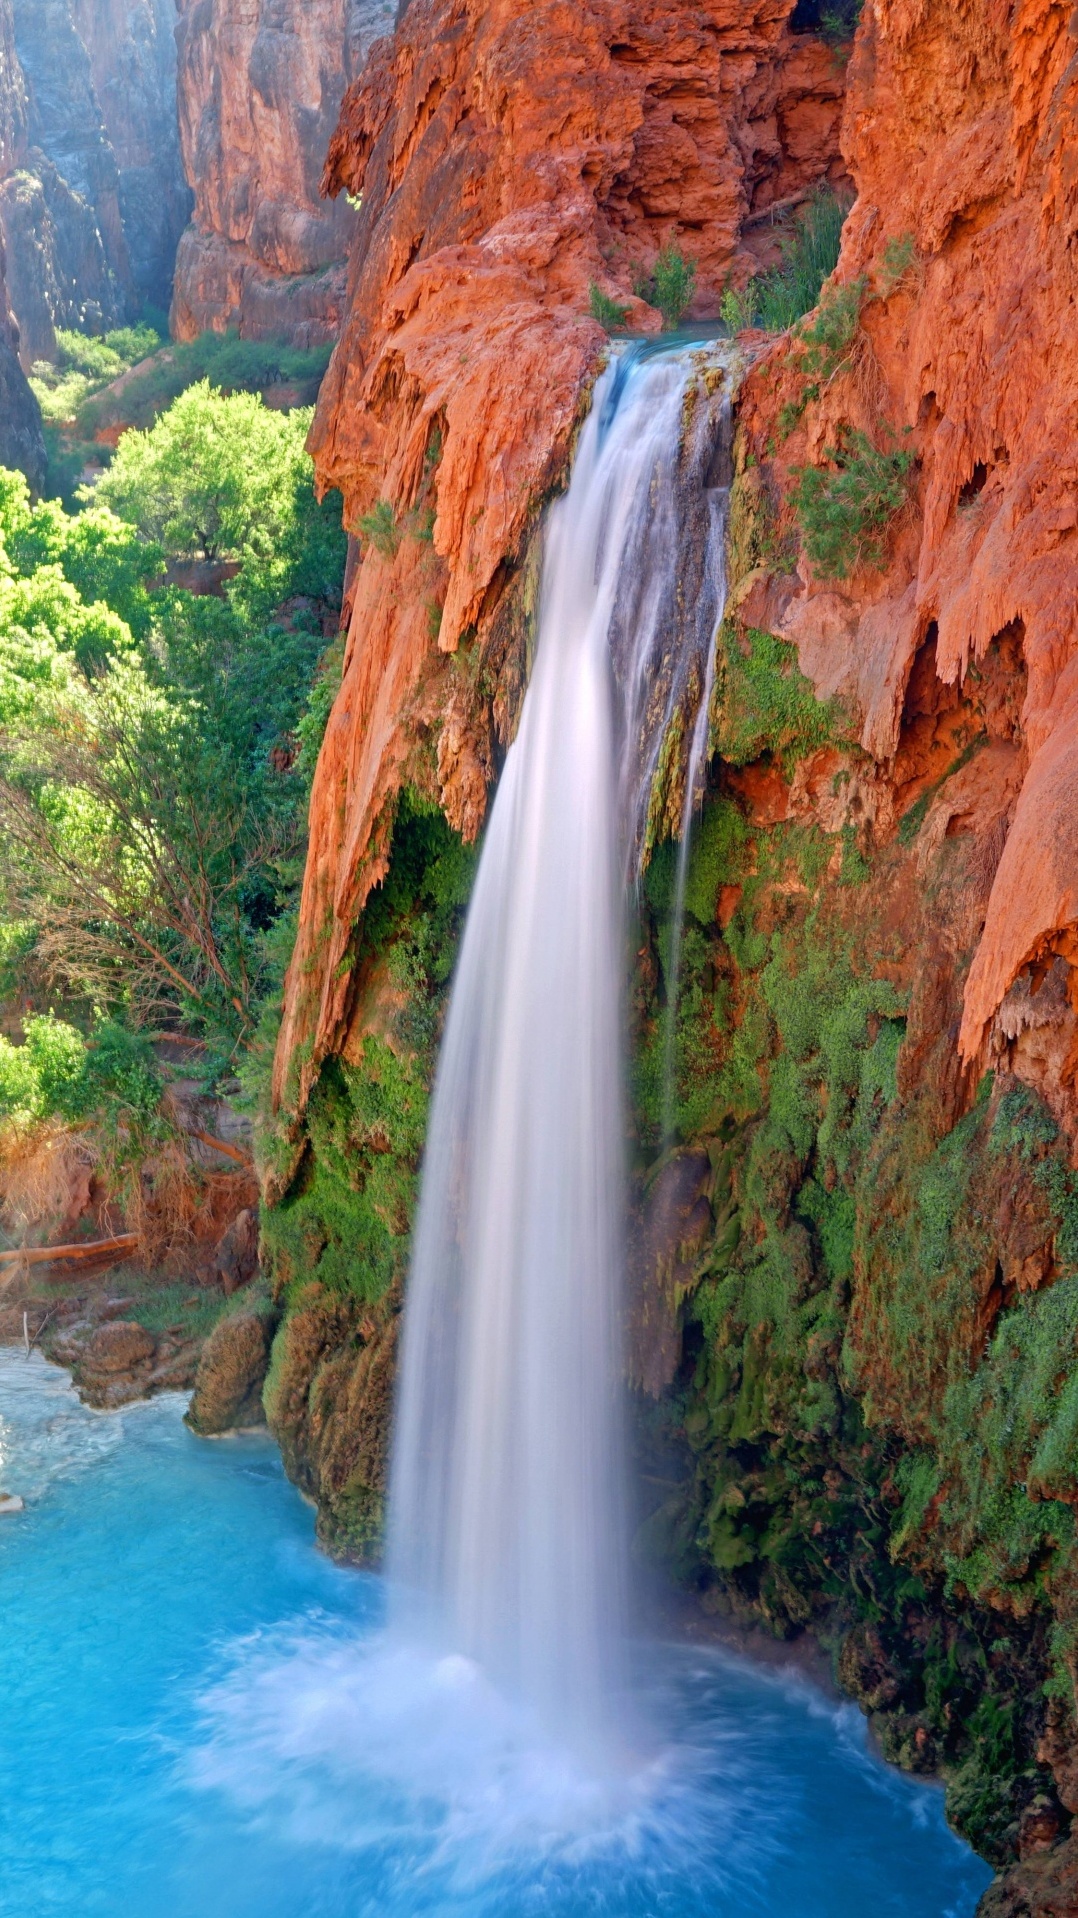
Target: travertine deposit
pixel 858 1270
pixel 507 157
pixel 957 132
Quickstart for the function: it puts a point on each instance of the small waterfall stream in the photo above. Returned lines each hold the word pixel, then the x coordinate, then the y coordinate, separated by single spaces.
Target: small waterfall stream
pixel 507 1544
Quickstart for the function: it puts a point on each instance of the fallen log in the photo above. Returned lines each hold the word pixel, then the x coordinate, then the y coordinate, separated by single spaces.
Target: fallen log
pixel 222 1145
pixel 119 1247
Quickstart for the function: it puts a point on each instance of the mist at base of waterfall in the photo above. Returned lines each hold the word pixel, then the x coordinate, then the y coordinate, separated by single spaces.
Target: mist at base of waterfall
pixel 204 1718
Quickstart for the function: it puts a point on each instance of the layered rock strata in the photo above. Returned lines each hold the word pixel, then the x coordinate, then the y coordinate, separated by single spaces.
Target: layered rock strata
pixel 260 87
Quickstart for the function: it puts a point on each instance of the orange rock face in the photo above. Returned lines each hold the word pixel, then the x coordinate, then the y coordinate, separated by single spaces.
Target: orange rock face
pixel 259 87
pixel 959 136
pixel 507 157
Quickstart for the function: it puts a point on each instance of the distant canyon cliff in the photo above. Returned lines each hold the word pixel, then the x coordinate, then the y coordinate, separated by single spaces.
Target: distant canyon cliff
pixel 260 87
pixel 92 195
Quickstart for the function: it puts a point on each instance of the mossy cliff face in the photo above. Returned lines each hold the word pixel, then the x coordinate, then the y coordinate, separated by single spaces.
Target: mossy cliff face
pixel 870 1281
pixel 336 1246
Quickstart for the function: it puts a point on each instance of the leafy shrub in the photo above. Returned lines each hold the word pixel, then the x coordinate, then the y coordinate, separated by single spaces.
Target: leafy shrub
pixel 810 256
pixel 379 527
pixel 845 509
pixel 121 1073
pixel 57 1073
pixel 825 341
pixel 899 260
pixel 607 311
pixel 670 286
pixel 738 307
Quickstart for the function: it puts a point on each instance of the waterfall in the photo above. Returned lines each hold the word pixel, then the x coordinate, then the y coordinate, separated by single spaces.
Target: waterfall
pixel 507 1542
pixel 714 600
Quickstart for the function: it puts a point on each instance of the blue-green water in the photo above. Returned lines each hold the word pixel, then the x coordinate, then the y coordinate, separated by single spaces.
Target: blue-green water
pixel 200 1718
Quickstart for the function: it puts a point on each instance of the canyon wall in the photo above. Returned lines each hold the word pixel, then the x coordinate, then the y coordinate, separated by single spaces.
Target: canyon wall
pixel 21 443
pixel 260 86
pixel 507 157
pixel 856 1279
pixel 92 198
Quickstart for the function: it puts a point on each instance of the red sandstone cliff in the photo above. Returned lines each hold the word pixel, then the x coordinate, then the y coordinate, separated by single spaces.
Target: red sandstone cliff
pixel 259 90
pixel 507 156
pixel 959 136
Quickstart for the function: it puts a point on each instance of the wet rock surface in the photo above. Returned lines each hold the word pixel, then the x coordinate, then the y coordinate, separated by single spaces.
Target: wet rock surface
pixel 231 1372
pixel 507 157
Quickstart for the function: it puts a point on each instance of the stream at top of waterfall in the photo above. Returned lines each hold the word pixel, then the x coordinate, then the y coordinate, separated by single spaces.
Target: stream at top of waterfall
pixel 202 1719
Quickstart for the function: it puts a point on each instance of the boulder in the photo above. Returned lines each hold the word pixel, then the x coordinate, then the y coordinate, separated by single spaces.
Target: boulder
pixel 228 1385
pixel 119 1346
pixel 237 1252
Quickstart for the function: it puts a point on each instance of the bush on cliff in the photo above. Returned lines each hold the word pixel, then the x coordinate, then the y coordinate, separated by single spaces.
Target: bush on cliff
pixel 669 286
pixel 845 508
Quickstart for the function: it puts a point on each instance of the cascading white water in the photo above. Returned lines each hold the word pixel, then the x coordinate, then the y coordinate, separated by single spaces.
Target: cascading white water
pixel 719 506
pixel 507 1538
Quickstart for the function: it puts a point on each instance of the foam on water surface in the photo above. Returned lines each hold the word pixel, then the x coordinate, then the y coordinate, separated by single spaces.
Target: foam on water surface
pixel 204 1718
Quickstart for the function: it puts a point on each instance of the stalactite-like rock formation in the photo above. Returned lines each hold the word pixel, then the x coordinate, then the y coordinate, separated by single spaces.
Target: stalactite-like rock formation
pixel 860 1269
pixel 959 126
pixel 259 91
pixel 507 156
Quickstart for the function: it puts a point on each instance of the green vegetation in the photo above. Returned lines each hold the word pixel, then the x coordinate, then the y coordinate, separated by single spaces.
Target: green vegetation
pixel 379 527
pixel 899 262
pixel 669 286
pixel 73 389
pixel 85 363
pixel 59 1072
pixel 776 300
pixel 607 311
pixel 763 703
pixel 346 1219
pixel 151 803
pixel 838 19
pixel 845 508
pixel 884 1432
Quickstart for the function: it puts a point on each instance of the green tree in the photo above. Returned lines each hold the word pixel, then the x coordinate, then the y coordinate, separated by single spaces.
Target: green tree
pixel 221 476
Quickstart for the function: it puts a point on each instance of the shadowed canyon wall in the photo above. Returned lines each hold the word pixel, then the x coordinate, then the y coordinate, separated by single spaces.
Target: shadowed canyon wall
pixel 92 198
pixel 260 85
pixel 21 442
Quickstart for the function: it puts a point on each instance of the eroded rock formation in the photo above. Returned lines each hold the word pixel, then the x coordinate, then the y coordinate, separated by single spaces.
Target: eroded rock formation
pixel 507 156
pixel 92 198
pixel 859 1271
pixel 964 238
pixel 259 89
